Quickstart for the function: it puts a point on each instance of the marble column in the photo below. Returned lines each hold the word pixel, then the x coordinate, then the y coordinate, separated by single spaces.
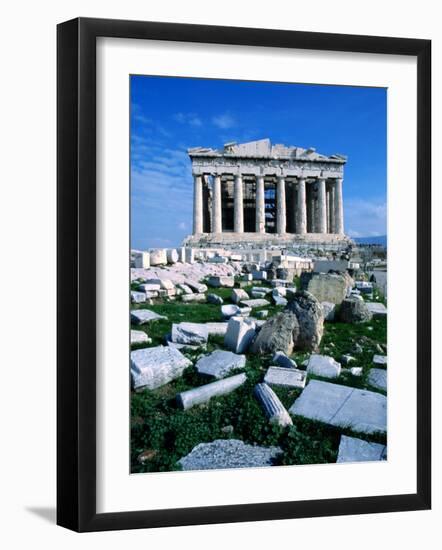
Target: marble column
pixel 216 205
pixel 281 217
pixel 322 207
pixel 260 206
pixel 332 209
pixel 338 208
pixel 238 205
pixel 197 204
pixel 301 208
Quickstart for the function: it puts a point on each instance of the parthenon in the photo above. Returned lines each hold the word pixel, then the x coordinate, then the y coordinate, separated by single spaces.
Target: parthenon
pixel 257 191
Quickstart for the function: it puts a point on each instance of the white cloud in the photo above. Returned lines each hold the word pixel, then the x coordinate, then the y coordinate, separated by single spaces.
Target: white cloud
pixel 188 118
pixel 224 121
pixel 365 218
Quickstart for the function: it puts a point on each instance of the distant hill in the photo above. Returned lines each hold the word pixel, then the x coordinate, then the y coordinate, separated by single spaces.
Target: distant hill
pixel 381 239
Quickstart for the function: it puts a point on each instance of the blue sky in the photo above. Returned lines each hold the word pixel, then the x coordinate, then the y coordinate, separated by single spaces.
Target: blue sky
pixel 169 115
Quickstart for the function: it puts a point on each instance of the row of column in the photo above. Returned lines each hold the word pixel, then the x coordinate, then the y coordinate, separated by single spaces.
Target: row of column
pixel 329 209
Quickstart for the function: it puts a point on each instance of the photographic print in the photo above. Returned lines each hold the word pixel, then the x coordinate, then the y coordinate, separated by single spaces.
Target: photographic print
pixel 258 274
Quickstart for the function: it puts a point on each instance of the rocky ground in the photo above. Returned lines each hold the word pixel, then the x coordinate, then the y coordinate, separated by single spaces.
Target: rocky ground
pixel 231 372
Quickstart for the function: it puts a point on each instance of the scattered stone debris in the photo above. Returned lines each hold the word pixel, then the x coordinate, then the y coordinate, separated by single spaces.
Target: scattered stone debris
pixel 229 453
pixel 322 365
pixel 277 334
pixel 215 299
pixel 342 406
pixel 238 294
pixel 326 287
pixel 310 320
pixel 288 377
pixel 346 359
pixel 356 371
pixel 218 282
pixel 272 406
pixel 260 302
pixel 263 314
pixel 377 309
pixel 142 316
pixel 281 359
pixel 151 368
pixel 202 394
pixel 193 298
pixel 220 363
pixel 137 297
pixel 230 310
pixel 328 309
pixel 352 449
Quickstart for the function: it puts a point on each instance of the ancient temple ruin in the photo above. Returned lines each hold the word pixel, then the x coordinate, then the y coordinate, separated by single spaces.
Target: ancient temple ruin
pixel 261 192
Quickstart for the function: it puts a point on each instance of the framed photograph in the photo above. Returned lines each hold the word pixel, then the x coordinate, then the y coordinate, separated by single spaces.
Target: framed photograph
pixel 243 274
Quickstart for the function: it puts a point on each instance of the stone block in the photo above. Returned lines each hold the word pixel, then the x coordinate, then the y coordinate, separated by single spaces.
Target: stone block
pixel 229 310
pixel 141 260
pixel 154 367
pixel 158 256
pixel 342 406
pixel 190 333
pixel 263 314
pixel 224 454
pixel 281 359
pixel 239 335
pixel 190 255
pixel 139 337
pixel 380 360
pixel 378 379
pixel 258 302
pixel 220 363
pixel 280 301
pixel 217 282
pixel 193 298
pixel 186 289
pixel 137 297
pixel 238 294
pixel 142 316
pixel 356 371
pixel 322 365
pixel 196 286
pixel 328 287
pixel 259 275
pixel 261 289
pixel 202 394
pixel 214 299
pixel 352 449
pixel 149 287
pixel 377 309
pixel 172 256
pixel 287 377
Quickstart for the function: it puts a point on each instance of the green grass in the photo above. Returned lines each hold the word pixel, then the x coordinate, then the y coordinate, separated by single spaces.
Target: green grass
pixel 169 433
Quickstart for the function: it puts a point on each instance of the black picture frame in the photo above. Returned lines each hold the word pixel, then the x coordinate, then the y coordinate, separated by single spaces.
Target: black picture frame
pixel 76 273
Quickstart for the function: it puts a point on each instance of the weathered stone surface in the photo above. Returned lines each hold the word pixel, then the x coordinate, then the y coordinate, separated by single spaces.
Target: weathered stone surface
pixel 190 255
pixel 281 359
pixel 380 360
pixel 352 449
pixel 142 260
pixel 378 379
pixel 186 289
pixel 214 299
pixel 167 284
pixel 137 297
pixel 220 363
pixel 190 333
pixel 342 406
pixel 280 301
pixel 193 298
pixel 217 282
pixel 272 406
pixel 158 256
pixel 139 337
pixel 196 286
pixel 277 334
pixel 172 256
pixel 142 316
pixel 263 314
pixel 229 310
pixel 259 302
pixel 310 320
pixel 228 453
pixel 257 294
pixel 153 367
pixel 196 396
pixel 322 365
pixel 328 309
pixel 239 335
pixel 238 294
pixel 326 287
pixel 216 329
pixel 149 287
pixel 377 309
pixel 354 310
pixel 288 377
pixel 261 289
